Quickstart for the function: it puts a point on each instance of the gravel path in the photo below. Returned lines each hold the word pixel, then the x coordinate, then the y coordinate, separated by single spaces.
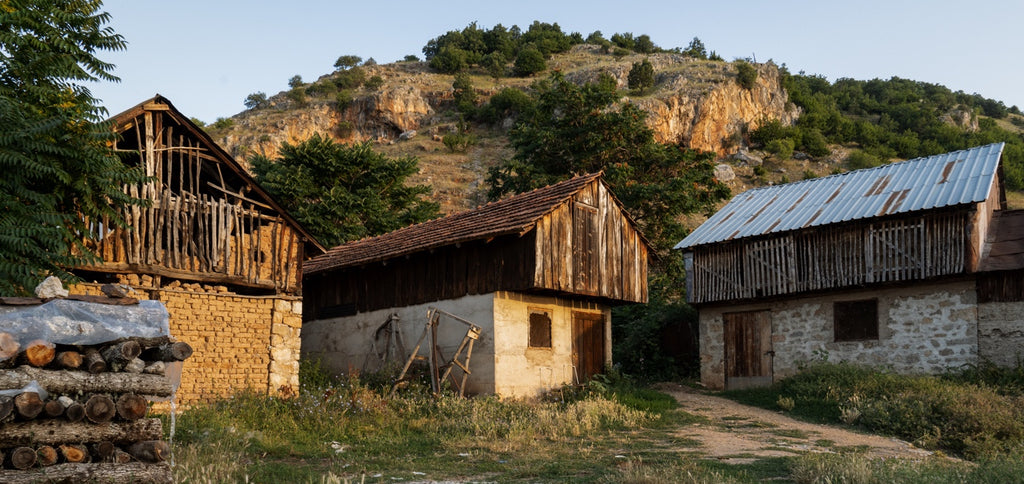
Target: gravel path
pixel 738 433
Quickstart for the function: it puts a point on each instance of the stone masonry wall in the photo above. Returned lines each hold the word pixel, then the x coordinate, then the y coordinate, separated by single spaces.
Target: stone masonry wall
pixel 1001 333
pixel 240 342
pixel 922 329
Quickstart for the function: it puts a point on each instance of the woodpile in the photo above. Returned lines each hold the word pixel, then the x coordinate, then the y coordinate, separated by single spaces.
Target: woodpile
pixel 78 413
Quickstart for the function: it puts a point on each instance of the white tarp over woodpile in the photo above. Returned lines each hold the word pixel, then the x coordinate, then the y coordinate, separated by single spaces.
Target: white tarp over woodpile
pixel 69 322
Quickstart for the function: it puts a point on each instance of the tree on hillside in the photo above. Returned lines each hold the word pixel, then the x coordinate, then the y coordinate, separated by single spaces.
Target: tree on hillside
pixel 696 49
pixel 641 76
pixel 348 62
pixel 256 100
pixel 344 192
pixel 578 129
pixel 529 62
pixel 55 161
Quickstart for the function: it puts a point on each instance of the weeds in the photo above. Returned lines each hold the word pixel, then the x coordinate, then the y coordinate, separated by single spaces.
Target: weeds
pixel 974 413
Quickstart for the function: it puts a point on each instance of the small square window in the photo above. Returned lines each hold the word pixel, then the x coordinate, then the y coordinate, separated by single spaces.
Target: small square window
pixel 540 328
pixel 855 320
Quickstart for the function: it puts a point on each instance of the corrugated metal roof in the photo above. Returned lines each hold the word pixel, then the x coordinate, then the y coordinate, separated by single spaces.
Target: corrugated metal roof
pixel 944 180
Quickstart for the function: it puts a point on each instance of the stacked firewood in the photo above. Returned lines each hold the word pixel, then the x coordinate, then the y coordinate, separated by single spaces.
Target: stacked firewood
pixel 71 413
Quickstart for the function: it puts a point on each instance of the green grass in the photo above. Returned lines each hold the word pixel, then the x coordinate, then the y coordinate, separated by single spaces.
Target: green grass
pixel 974 413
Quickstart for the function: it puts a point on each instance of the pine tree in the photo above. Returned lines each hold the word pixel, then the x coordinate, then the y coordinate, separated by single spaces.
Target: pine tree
pixel 641 76
pixel 57 168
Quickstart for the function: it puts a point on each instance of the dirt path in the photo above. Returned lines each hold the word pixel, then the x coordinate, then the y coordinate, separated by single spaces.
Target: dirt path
pixel 739 433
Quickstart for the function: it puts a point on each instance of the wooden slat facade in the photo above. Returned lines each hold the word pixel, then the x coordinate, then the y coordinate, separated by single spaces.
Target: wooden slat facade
pixel 831 257
pixel 205 220
pixel 586 246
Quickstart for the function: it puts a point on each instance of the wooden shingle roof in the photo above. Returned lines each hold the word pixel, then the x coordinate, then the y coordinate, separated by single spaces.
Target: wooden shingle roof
pixel 514 215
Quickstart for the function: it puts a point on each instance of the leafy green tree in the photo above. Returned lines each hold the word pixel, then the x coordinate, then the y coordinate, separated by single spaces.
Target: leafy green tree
pixel 746 74
pixel 644 45
pixel 410 58
pixel 529 62
pixel 578 129
pixel 449 60
pixel 696 49
pixel 350 78
pixel 295 81
pixel 57 169
pixel 347 62
pixel 464 94
pixel 625 41
pixel 343 193
pixel 256 100
pixel 495 63
pixel 641 76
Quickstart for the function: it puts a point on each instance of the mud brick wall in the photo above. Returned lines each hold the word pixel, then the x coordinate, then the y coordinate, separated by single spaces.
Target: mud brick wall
pixel 240 342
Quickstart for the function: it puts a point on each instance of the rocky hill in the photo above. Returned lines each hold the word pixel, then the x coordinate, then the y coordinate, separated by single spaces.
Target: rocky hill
pixel 694 102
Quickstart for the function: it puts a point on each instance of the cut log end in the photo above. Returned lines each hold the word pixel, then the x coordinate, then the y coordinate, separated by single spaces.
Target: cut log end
pixel 131 406
pixel 74 453
pixel 46 455
pixel 6 407
pixel 151 451
pixel 28 405
pixel 22 458
pixel 53 409
pixel 100 409
pixel 75 412
pixel 8 347
pixel 122 352
pixel 39 352
pixel 70 360
pixel 104 451
pixel 94 361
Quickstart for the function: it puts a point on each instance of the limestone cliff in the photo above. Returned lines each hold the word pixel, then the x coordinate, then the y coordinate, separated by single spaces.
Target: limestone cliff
pixel 694 102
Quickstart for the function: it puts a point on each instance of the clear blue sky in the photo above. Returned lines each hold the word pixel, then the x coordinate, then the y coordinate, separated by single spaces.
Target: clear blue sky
pixel 207 56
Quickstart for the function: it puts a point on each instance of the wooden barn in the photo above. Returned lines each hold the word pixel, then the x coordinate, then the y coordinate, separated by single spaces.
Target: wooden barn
pixel 223 257
pixel 887 266
pixel 537 273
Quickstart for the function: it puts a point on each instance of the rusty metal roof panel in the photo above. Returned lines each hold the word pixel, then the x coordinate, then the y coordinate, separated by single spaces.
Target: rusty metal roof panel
pixel 949 179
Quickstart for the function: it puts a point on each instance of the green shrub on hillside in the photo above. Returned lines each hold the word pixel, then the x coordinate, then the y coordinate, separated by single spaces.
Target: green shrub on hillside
pixel 782 148
pixel 374 83
pixel 529 62
pixel 350 79
pixel 746 74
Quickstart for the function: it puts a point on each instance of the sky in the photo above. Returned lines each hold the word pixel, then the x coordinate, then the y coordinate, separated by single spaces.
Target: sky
pixel 207 56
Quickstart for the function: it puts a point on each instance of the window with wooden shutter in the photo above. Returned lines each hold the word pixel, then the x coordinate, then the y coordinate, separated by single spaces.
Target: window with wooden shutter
pixel 540 328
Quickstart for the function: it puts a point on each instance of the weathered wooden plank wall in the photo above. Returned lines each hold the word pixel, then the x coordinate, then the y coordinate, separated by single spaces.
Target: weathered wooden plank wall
pixel 832 257
pixel 198 225
pixel 589 247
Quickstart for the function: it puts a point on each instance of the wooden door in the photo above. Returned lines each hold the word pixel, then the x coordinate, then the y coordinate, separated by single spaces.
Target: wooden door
pixel 588 349
pixel 748 349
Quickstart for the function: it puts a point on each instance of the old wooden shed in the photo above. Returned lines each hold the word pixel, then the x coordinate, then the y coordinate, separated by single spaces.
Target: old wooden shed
pixel 878 266
pixel 216 249
pixel 538 272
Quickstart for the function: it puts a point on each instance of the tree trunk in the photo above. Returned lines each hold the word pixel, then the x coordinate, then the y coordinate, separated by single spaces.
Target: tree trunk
pixel 75 453
pixel 28 404
pixel 69 360
pixel 121 353
pixel 54 432
pixel 100 409
pixel 94 361
pixel 46 455
pixel 39 353
pixel 129 473
pixel 151 451
pixel 178 351
pixel 70 382
pixel 21 458
pixel 131 406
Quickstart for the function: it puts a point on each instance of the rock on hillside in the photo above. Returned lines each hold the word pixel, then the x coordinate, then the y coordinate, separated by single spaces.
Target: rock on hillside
pixel 694 102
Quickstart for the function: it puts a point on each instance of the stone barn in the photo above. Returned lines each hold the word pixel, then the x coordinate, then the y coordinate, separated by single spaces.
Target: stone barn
pixel 217 250
pixel 901 266
pixel 537 272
